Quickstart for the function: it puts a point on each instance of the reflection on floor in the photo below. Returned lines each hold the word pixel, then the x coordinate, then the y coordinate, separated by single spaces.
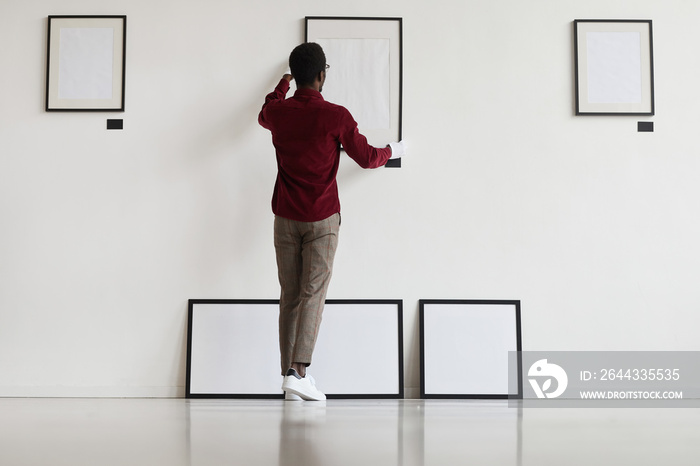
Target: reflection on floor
pixel 154 432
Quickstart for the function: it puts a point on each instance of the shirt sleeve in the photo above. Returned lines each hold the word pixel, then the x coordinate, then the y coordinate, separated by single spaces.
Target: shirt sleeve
pixel 357 147
pixel 277 95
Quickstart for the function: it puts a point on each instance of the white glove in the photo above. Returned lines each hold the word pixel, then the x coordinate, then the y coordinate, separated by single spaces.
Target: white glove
pixel 398 149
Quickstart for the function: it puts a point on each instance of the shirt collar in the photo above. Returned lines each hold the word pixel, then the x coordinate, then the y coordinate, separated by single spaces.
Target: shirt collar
pixel 308 93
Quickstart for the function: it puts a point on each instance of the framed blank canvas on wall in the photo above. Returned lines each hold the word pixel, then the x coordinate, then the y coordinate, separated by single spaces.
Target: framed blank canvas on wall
pixel 465 348
pixel 614 61
pixel 85 64
pixel 233 349
pixel 366 72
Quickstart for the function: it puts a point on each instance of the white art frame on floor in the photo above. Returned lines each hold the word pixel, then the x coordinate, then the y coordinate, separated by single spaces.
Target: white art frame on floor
pixel 366 72
pixel 466 349
pixel 614 67
pixel 86 63
pixel 233 349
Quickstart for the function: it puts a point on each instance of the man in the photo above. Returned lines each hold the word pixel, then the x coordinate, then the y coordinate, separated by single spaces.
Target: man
pixel 307 133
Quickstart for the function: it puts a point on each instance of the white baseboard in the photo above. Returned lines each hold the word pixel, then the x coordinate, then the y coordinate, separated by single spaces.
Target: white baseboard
pixel 91 392
pixel 118 392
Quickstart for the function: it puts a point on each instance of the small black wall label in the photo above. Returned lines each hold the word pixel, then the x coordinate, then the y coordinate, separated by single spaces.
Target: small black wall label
pixel 645 126
pixel 115 124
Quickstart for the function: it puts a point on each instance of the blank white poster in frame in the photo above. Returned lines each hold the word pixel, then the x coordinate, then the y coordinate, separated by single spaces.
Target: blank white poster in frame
pixel 614 67
pixel 467 348
pixel 366 72
pixel 227 335
pixel 86 63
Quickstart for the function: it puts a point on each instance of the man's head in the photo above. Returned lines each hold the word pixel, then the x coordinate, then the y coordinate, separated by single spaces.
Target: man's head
pixel 307 63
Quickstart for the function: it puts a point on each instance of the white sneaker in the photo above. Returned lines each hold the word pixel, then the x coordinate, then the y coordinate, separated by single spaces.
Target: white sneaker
pixel 289 396
pixel 305 387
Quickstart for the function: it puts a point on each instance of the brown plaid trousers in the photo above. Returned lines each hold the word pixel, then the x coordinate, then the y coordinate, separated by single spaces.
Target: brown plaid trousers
pixel 305 252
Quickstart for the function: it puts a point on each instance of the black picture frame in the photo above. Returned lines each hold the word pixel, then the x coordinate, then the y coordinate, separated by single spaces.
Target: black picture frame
pixel 86 63
pixel 212 351
pixel 614 71
pixel 449 347
pixel 353 27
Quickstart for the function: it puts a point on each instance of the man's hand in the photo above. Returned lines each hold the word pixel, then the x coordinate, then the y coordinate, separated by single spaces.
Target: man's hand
pixel 288 77
pixel 398 149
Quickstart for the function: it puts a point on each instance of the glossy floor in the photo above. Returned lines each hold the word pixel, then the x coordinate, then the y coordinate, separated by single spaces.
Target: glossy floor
pixel 105 432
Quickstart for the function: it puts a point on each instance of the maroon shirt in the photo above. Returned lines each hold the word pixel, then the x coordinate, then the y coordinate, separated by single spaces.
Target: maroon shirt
pixel 307 133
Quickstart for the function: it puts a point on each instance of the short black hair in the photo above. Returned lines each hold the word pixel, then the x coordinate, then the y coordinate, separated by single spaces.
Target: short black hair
pixel 306 61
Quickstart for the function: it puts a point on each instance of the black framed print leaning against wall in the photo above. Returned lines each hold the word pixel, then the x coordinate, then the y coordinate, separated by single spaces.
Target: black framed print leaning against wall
pixel 85 63
pixel 227 335
pixel 470 349
pixel 366 72
pixel 614 64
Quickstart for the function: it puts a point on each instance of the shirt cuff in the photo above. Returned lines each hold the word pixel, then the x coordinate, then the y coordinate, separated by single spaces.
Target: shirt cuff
pixel 283 85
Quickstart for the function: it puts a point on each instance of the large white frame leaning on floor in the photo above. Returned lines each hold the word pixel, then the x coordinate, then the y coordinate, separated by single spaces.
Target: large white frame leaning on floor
pixel 614 64
pixel 467 348
pixel 233 349
pixel 85 64
pixel 366 72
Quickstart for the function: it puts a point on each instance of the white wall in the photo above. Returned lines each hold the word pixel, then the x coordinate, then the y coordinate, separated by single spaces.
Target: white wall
pixel 505 194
